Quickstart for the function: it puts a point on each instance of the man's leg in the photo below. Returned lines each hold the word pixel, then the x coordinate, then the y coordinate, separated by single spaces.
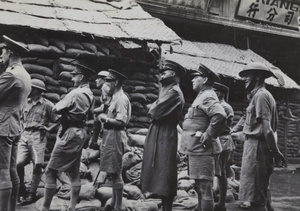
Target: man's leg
pixel 5 189
pixel 35 181
pixel 14 176
pixel 75 188
pixel 23 159
pixel 167 203
pixel 50 188
pixel 118 186
pixel 207 201
pixel 6 149
pixel 222 181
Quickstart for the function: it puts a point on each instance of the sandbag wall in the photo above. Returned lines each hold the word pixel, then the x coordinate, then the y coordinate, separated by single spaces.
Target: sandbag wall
pixel 292 129
pixel 49 60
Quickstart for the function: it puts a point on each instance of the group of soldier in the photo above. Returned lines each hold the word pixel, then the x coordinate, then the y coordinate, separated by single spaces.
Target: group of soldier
pixel 25 117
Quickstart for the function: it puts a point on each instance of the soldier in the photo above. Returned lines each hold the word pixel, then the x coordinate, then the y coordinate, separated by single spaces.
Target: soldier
pixel 36 116
pixel 202 125
pixel 260 147
pixel 72 136
pixel 227 146
pixel 15 87
pixel 114 122
pixel 105 99
pixel 159 170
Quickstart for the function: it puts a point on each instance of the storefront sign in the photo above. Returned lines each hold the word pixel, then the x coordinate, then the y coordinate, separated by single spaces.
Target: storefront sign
pixel 280 12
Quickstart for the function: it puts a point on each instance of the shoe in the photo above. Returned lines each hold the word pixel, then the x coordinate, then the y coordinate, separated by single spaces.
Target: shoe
pixel 31 198
pixel 218 208
pixel 245 206
pixel 108 208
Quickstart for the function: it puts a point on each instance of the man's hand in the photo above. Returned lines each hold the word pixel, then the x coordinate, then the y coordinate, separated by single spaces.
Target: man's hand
pixel 102 117
pixel 93 146
pixel 279 159
pixel 205 140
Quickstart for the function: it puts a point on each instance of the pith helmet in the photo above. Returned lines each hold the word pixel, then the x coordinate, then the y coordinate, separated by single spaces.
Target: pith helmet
pixel 38 84
pixel 257 67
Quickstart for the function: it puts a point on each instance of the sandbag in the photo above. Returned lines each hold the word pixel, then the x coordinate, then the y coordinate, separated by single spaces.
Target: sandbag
pixel 58 43
pixel 142 131
pixel 133 192
pixel 45 62
pixel 151 97
pixel 136 140
pixel 102 48
pixel 89 155
pixel 185 203
pixel 73 44
pixel 30 60
pixel 150 205
pixel 33 68
pixel 90 47
pixel 71 52
pixel 64 75
pixel 67 84
pixel 185 184
pixel 60 90
pixel 38 76
pixel 133 175
pixel 103 194
pixel 66 67
pixel 51 81
pixel 130 159
pixel 139 97
pixel 53 97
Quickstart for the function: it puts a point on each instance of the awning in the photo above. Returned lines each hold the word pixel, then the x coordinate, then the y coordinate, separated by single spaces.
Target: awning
pixel 116 20
pixel 225 60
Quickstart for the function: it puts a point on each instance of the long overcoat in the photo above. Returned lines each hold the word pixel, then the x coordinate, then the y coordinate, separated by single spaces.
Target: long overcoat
pixel 159 169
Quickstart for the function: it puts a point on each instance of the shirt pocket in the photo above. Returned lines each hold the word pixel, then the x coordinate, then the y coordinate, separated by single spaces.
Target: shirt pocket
pixel 249 115
pixel 38 116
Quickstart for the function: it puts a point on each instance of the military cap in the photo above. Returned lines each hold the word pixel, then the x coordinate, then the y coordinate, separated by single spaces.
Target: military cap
pixel 220 87
pixel 82 69
pixel 113 75
pixel 103 74
pixel 171 65
pixel 38 84
pixel 2 45
pixel 15 46
pixel 257 67
pixel 206 72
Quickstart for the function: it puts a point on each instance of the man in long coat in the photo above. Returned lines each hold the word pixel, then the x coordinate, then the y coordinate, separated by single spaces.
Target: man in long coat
pixel 159 170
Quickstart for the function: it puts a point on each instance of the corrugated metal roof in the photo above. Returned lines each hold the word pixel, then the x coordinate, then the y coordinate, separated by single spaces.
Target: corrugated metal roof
pixel 225 60
pixel 101 18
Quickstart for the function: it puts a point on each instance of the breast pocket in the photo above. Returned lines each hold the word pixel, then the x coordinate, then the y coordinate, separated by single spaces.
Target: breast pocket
pixel 249 115
pixel 38 116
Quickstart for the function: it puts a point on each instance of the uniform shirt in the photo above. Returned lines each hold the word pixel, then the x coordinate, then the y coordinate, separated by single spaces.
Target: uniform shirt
pixel 120 107
pixel 229 114
pixel 77 103
pixel 205 115
pixel 262 106
pixel 37 113
pixel 15 86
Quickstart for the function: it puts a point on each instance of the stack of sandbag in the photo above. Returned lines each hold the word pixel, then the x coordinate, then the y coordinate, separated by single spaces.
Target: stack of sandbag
pixel 239 111
pixel 142 87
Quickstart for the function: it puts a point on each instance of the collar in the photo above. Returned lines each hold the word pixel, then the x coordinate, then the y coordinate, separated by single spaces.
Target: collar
pixel 254 91
pixel 204 89
pixel 35 102
pixel 11 66
pixel 84 86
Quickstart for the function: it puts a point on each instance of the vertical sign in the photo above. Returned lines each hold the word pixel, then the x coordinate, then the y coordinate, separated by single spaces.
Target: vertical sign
pixel 280 12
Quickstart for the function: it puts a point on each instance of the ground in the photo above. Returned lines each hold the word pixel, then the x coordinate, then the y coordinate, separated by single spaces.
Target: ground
pixel 285 189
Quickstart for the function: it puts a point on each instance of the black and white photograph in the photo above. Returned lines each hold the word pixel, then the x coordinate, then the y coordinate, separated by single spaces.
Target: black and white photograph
pixel 149 105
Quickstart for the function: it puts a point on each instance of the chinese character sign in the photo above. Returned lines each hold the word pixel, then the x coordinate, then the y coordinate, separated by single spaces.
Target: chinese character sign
pixel 280 12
